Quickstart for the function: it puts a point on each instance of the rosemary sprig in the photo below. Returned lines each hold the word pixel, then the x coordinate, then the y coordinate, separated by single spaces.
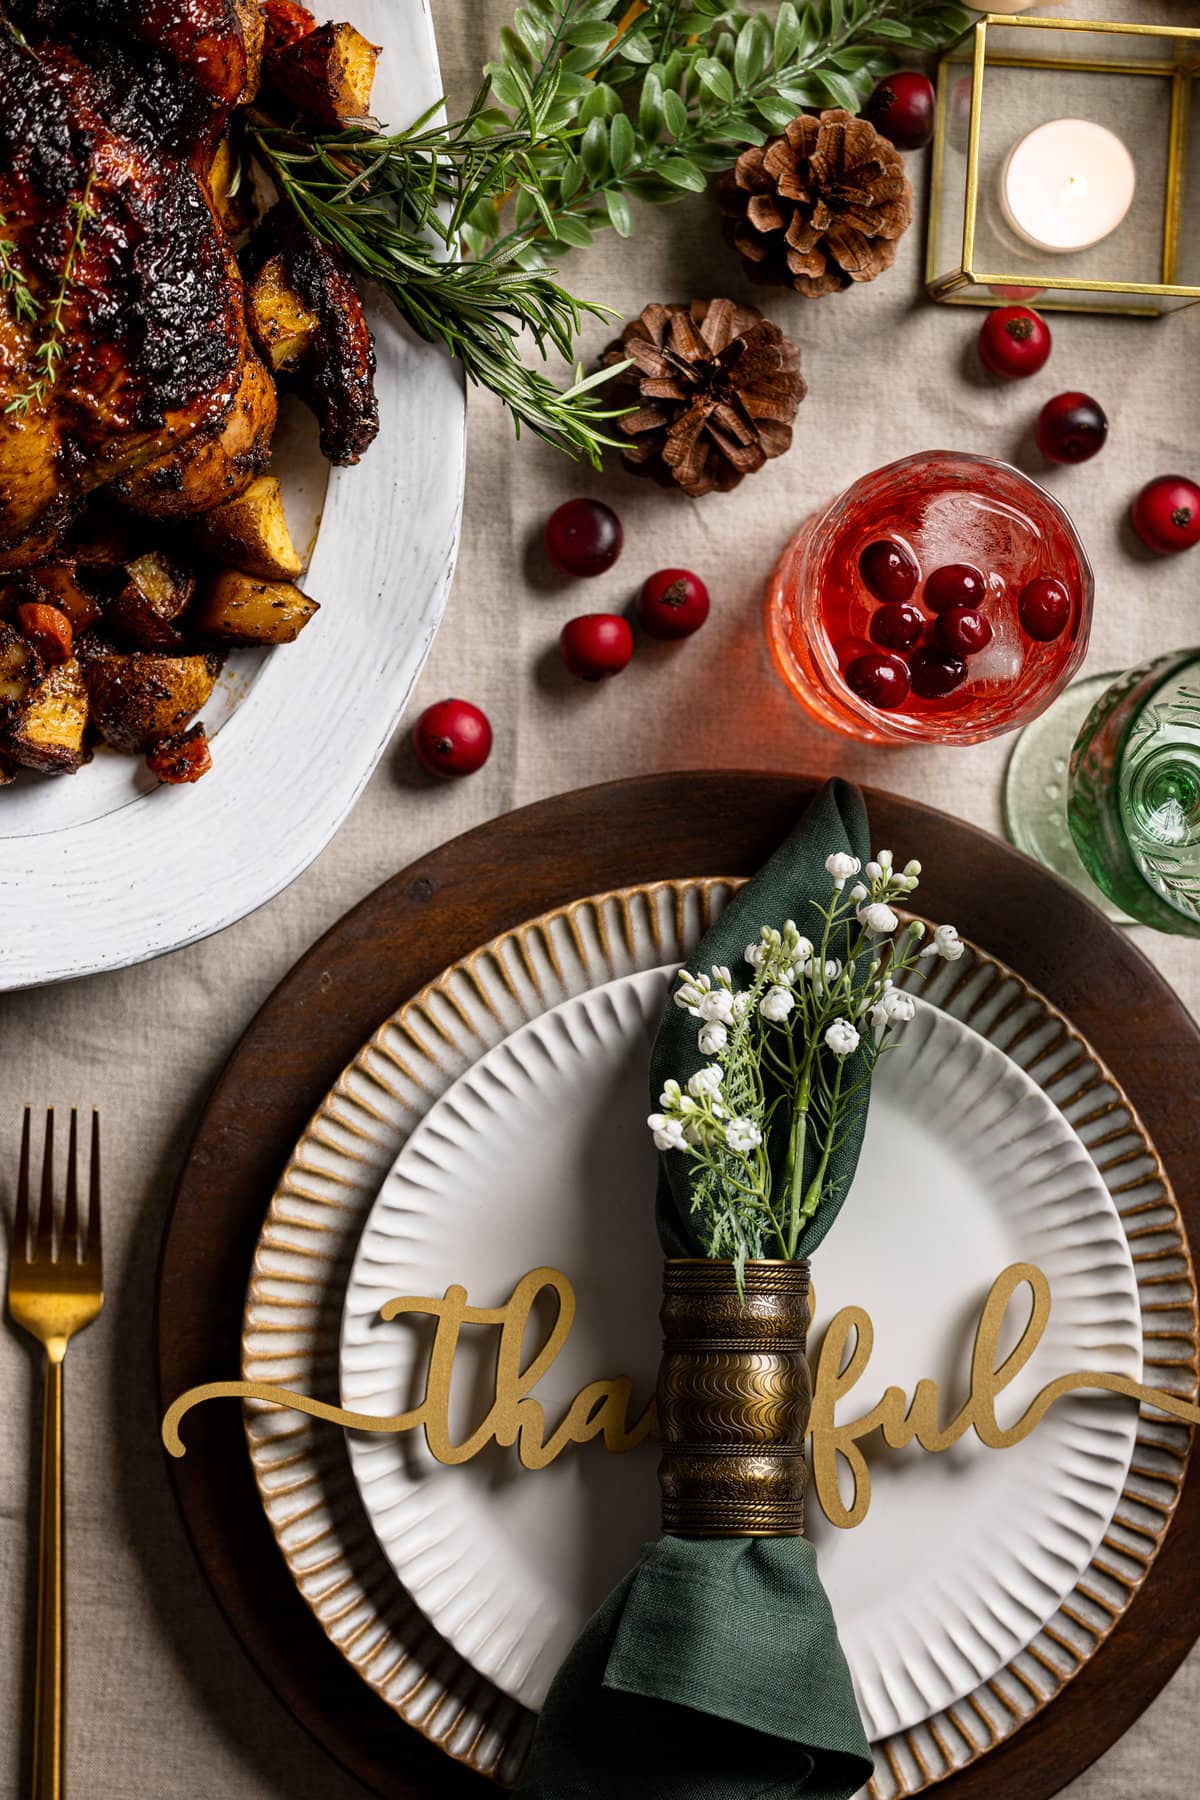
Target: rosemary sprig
pixel 52 349
pixel 388 200
pixel 12 281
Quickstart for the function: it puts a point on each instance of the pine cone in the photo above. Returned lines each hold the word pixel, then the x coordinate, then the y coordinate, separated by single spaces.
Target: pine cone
pixel 821 206
pixel 715 387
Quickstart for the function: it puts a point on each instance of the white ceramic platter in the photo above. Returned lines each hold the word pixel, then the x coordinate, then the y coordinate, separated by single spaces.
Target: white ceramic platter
pixel 105 867
pixel 311 1233
pixel 539 1155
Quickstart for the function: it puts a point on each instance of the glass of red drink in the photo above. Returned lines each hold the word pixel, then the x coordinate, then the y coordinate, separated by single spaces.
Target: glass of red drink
pixel 943 599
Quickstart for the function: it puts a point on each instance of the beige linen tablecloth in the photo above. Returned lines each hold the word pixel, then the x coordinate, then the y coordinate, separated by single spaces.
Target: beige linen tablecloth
pixel 163 1705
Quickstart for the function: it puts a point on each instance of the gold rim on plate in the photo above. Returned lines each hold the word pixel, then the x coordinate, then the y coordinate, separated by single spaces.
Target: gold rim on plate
pixel 292 1319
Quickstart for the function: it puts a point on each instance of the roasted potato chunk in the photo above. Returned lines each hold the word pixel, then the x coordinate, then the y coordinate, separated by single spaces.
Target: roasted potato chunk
pixel 141 698
pixel 230 207
pixel 21 670
pixel 284 327
pixel 306 316
pixel 57 584
pixel 237 608
pixel 102 540
pixel 51 733
pixel 286 23
pixel 251 533
pixel 182 758
pixel 328 73
pixel 146 610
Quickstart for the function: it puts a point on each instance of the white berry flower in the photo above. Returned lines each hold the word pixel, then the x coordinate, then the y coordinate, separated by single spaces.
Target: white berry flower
pixel 668 1133
pixel 741 1007
pixel 893 1008
pixel 712 1039
pixel 912 869
pixel 742 1136
pixel 671 1095
pixel 884 859
pixel 858 893
pixel 842 866
pixel 756 955
pixel 776 1004
pixel 946 943
pixel 706 1081
pixel 842 1038
pixel 802 954
pixel 721 975
pixel 874 871
pixel 878 919
pixel 716 1007
pixel 690 992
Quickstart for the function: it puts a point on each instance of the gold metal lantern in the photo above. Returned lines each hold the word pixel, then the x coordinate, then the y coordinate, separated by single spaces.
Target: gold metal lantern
pixel 1015 96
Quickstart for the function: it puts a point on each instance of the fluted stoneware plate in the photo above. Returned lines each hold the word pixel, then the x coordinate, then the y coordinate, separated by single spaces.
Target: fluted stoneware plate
pixel 539 1154
pixel 106 867
pixel 312 1229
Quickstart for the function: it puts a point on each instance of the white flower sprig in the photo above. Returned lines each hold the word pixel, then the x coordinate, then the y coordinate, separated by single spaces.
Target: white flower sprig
pixel 795 1053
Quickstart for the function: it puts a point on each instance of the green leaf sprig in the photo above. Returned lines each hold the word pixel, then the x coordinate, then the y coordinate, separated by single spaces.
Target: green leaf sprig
pixel 680 93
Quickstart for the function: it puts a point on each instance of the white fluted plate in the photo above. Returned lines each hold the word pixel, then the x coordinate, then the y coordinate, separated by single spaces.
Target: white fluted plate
pixel 538 1155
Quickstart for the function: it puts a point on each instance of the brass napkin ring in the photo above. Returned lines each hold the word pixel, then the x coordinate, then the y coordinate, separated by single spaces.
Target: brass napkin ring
pixel 734 1396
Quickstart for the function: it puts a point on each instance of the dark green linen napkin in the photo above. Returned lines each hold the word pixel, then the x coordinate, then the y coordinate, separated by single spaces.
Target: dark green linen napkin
pixel 714 1671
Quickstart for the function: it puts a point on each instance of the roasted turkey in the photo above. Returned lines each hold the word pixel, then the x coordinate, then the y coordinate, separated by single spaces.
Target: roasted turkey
pixel 127 359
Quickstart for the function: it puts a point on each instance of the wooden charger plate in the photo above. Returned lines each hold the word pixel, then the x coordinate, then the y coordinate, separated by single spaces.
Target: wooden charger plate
pixel 436 911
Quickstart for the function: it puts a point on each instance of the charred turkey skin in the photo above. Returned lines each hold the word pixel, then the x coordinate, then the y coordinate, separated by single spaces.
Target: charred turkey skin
pixel 155 352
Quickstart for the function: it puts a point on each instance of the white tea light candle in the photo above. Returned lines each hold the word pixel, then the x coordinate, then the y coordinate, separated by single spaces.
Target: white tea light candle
pixel 1066 185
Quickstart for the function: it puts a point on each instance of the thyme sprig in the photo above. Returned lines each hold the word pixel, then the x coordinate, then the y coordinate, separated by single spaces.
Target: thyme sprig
pixel 53 346
pixel 12 281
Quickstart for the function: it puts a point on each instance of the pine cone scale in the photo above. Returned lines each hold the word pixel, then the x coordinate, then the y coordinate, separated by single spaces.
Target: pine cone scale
pixel 819 207
pixel 726 404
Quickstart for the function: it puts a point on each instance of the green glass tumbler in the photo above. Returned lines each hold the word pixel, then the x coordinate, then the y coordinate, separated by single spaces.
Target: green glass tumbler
pixel 1118 813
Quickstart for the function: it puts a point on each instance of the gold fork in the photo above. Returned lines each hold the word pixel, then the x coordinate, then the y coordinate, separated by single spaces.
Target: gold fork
pixel 54 1290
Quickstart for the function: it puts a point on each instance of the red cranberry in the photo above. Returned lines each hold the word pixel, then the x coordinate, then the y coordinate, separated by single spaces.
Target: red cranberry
pixel 889 570
pixel 673 603
pixel 897 627
pixel 583 537
pixel 902 109
pixel 453 738
pixel 1044 607
pixel 935 673
pixel 1166 514
pixel 1070 428
pixel 882 681
pixel 962 630
pixel 955 584
pixel 1014 342
pixel 596 645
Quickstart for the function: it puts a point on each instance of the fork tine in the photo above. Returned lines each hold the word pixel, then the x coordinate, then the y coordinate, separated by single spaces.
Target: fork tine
pixel 45 1223
pixel 70 1225
pixel 92 1250
pixel 21 1215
